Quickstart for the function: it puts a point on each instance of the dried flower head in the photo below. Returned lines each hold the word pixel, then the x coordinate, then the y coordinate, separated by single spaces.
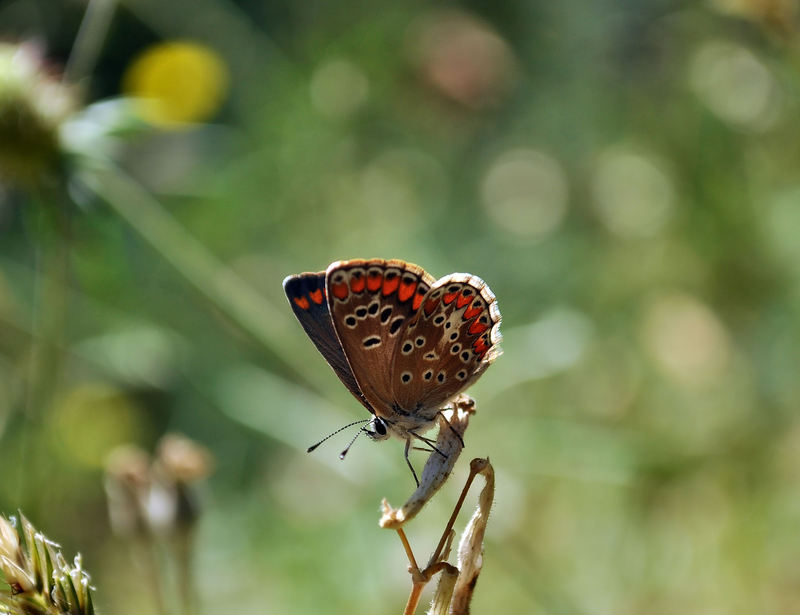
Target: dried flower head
pixel 182 459
pixel 33 105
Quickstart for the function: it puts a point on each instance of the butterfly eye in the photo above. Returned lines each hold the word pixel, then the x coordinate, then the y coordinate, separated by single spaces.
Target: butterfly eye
pixel 380 427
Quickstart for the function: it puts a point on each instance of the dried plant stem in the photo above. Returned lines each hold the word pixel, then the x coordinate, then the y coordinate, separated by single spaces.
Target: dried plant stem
pixel 143 551
pixel 448 528
pixel 421 578
pixel 418 581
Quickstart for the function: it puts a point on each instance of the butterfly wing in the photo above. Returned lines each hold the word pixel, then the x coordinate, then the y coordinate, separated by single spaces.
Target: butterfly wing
pixel 370 302
pixel 447 345
pixel 306 294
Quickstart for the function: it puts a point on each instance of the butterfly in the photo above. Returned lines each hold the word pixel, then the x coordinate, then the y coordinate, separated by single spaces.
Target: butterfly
pixel 402 342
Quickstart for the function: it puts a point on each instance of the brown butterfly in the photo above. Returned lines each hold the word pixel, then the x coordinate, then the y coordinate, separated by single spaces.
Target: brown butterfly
pixel 402 342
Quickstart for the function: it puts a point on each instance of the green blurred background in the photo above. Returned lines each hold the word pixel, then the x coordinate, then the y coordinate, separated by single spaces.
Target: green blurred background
pixel 624 175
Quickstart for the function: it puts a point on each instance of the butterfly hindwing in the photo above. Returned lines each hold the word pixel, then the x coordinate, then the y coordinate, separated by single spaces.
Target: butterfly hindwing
pixel 306 294
pixel 370 302
pixel 451 340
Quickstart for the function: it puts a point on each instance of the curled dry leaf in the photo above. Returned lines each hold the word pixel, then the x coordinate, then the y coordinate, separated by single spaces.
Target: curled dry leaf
pixel 470 549
pixel 438 467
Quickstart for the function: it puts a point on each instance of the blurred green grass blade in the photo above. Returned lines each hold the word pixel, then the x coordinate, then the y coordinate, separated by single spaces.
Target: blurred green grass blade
pixel 219 284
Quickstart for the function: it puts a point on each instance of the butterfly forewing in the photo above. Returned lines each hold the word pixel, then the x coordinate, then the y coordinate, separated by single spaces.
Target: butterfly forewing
pixel 448 343
pixel 371 302
pixel 306 294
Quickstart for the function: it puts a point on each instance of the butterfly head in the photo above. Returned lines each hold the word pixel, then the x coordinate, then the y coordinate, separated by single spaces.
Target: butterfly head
pixel 378 429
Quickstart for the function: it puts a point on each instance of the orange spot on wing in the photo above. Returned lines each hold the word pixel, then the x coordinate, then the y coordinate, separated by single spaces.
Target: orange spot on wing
pixel 462 300
pixel 390 285
pixel 316 296
pixel 418 300
pixel 430 305
pixel 477 327
pixel 449 298
pixel 340 290
pixel 480 346
pixel 472 312
pixel 406 290
pixel 374 281
pixel 357 284
pixel 301 302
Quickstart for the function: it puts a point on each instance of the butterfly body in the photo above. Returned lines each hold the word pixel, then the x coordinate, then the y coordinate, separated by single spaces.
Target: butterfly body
pixel 402 342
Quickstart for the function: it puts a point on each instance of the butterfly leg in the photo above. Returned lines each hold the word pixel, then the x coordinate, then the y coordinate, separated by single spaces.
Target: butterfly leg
pixel 458 435
pixel 408 461
pixel 427 441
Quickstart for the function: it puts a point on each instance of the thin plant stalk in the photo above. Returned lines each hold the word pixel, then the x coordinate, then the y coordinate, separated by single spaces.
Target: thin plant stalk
pixel 89 40
pixel 49 316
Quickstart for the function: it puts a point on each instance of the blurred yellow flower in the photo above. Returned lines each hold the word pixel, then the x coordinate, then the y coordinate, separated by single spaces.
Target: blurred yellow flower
pixel 177 82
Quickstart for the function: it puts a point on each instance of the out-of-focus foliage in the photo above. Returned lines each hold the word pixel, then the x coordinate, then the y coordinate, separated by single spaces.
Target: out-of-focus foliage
pixel 624 175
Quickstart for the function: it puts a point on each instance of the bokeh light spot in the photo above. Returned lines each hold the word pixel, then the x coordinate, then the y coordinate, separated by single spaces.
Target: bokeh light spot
pixel 686 340
pixel 632 194
pixel 525 193
pixel 177 83
pixel 92 419
pixel 735 85
pixel 338 88
pixel 463 58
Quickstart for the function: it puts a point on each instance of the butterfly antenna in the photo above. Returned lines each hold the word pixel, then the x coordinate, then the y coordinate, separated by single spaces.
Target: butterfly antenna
pixel 347 448
pixel 330 435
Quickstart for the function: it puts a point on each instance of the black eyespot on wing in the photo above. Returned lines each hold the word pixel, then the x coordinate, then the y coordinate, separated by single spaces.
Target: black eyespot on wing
pixel 385 313
pixel 373 308
pixel 428 375
pixel 438 320
pixel 406 377
pixel 455 349
pixel 453 336
pixel 420 341
pixel 350 321
pixel 396 324
pixel 440 377
pixel 372 341
pixel 407 347
pixel 361 312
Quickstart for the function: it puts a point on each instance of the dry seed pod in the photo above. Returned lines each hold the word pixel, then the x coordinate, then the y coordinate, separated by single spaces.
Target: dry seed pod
pixel 438 467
